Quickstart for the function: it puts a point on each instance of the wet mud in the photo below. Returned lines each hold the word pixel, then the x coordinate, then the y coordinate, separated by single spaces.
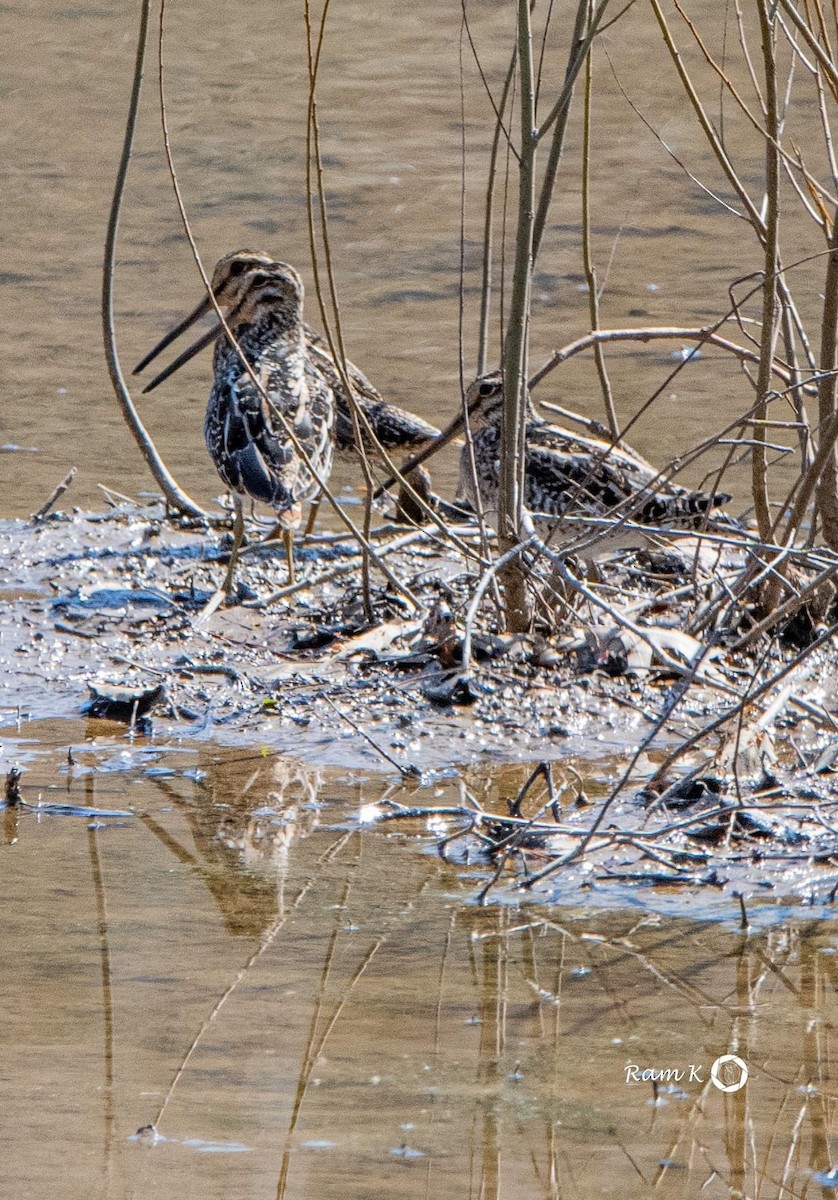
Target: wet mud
pixel 116 602
pixel 111 617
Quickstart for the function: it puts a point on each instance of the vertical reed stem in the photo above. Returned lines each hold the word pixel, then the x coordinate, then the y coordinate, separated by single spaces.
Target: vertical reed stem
pixel 512 465
pixel 590 269
pixel 768 338
pixel 826 494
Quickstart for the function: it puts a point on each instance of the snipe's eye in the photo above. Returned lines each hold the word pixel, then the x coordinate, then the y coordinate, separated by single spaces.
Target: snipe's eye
pixel 486 389
pixel 237 267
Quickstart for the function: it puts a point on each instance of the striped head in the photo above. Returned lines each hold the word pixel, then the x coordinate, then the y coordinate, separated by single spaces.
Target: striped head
pixel 484 400
pixel 231 273
pixel 266 292
pixel 483 406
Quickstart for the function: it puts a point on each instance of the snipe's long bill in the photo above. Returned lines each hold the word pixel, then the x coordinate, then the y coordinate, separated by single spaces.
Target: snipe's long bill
pixel 229 283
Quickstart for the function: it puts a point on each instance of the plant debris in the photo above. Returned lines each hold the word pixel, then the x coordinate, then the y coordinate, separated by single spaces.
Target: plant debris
pixel 728 745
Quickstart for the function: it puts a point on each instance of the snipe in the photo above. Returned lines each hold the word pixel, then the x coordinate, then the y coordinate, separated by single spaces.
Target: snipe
pixel 581 492
pixel 270 441
pixel 393 428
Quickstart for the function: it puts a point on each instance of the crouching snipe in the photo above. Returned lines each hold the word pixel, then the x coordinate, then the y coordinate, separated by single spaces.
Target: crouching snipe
pixel 583 495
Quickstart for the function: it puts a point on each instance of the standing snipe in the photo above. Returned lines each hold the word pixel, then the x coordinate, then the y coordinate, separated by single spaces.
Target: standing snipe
pixel 393 428
pixel 249 441
pixel 580 491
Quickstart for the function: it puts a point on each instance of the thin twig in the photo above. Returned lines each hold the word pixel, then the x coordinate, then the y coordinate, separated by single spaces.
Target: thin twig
pixel 55 495
pixel 175 496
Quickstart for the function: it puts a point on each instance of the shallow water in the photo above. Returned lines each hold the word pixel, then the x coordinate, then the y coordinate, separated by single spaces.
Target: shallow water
pixel 390 117
pixel 306 1007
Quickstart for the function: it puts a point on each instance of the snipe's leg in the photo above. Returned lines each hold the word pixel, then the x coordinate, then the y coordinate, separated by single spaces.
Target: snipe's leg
pixel 238 538
pixel 312 515
pixel 288 539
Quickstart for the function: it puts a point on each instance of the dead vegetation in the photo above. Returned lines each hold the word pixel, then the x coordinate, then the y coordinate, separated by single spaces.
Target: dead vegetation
pixel 720 644
pixel 722 743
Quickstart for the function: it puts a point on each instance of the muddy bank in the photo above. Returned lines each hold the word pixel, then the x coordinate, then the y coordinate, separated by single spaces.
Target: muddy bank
pixel 98 601
pixel 110 618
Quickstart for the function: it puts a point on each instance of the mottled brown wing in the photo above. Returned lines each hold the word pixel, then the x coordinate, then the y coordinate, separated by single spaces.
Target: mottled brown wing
pixel 394 428
pixel 249 442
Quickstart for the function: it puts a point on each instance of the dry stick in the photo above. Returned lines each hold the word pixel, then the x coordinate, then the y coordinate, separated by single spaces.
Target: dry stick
pixel 746 53
pixel 409 772
pixel 504 219
pixel 461 262
pixel 514 346
pixel 584 32
pixel 111 495
pixel 751 577
pixel 768 131
pixel 828 485
pixel 338 351
pixel 658 391
pixel 578 851
pixel 710 133
pixel 486 283
pixel 486 279
pixel 826 492
pixel 513 416
pixel 821 217
pixel 666 384
pixel 485 579
pixel 176 498
pixel 790 606
pixel 336 344
pixel 825 125
pixel 666 147
pixel 498 111
pixel 665 716
pixel 691 333
pixel 736 305
pixel 810 477
pixel 542 50
pixel 56 494
pixel 287 426
pixel 791 324
pixel 336 573
pixel 823 32
pixel 489 215
pixel 747 701
pixel 809 36
pixel 622 513
pixel 806 487
pixel 759 477
pixel 590 270
pixel 689 672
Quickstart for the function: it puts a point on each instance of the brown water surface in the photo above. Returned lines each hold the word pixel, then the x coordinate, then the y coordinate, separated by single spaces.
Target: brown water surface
pixel 306 1007
pixel 390 113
